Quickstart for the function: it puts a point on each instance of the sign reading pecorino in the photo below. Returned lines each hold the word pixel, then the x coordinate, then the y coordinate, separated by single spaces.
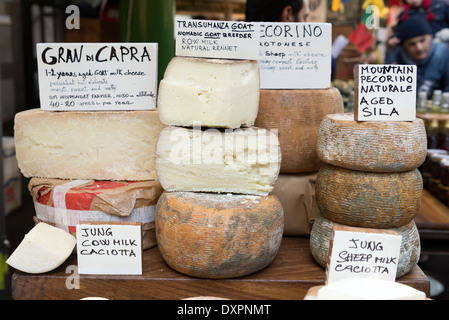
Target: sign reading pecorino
pixel 97 76
pixel 385 93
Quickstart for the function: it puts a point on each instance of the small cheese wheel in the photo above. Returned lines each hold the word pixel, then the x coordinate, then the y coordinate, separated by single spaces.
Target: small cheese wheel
pixel 368 199
pixel 297 115
pixel 410 251
pixel 380 146
pixel 218 235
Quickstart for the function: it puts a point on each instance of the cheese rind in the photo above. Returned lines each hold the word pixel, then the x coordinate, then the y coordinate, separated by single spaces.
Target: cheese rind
pixel 243 161
pixel 368 199
pixel 218 235
pixel 209 92
pixel 116 145
pixel 410 252
pixel 44 248
pixel 368 289
pixel 297 115
pixel 374 146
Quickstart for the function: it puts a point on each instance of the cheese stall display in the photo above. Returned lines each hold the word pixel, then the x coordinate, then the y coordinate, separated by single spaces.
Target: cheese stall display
pixel 229 177
pixel 370 176
pixel 231 226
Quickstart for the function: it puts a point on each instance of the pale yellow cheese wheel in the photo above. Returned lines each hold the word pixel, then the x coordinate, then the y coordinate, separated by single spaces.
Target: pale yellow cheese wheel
pixel 297 115
pixel 380 146
pixel 409 253
pixel 368 199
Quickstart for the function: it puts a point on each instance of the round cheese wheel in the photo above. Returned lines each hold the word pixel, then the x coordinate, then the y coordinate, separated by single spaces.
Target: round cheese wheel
pixel 368 199
pixel 297 115
pixel 380 146
pixel 218 235
pixel 409 253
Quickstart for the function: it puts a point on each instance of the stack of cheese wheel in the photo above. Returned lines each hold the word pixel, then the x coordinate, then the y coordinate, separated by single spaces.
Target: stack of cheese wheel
pixel 369 179
pixel 216 218
pixel 297 115
pixel 94 166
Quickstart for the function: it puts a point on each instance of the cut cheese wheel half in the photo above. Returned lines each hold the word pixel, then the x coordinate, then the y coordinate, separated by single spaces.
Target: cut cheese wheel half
pixel 410 251
pixel 218 236
pixel 380 146
pixel 44 248
pixel 297 115
pixel 245 161
pixel 209 93
pixel 100 145
pixel 368 199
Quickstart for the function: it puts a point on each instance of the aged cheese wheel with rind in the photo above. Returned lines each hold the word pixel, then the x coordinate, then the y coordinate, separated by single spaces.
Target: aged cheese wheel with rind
pixel 218 235
pixel 368 199
pixel 297 115
pixel 409 255
pixel 380 146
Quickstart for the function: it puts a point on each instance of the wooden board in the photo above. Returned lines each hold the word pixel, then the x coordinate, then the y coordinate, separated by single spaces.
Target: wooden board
pixel 433 214
pixel 289 277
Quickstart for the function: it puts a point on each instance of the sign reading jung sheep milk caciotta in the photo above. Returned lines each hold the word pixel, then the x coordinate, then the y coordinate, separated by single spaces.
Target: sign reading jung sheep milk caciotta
pixel 363 252
pixel 385 93
pixel 295 55
pixel 97 76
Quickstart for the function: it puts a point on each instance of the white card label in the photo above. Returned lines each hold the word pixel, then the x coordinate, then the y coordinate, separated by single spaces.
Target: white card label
pixel 386 93
pixel 363 254
pixel 97 76
pixel 216 39
pixel 295 55
pixel 109 248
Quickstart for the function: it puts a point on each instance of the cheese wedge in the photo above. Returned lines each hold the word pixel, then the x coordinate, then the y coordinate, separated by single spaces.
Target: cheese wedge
pixel 116 145
pixel 44 248
pixel 243 161
pixel 368 289
pixel 209 93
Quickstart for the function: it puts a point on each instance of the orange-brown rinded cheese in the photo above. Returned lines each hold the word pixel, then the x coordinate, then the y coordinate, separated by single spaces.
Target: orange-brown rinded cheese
pixel 368 199
pixel 218 235
pixel 375 146
pixel 410 251
pixel 297 115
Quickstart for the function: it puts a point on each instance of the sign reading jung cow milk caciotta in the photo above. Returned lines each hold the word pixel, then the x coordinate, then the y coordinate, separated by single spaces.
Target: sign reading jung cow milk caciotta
pixel 216 39
pixel 295 55
pixel 109 248
pixel 385 93
pixel 362 252
pixel 97 76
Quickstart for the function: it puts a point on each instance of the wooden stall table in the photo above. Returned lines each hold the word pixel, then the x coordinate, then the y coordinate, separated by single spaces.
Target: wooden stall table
pixel 288 277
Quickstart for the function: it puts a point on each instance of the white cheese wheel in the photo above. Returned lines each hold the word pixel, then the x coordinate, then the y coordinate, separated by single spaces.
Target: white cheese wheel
pixel 297 115
pixel 44 248
pixel 209 93
pixel 375 146
pixel 243 161
pixel 368 199
pixel 368 289
pixel 115 145
pixel 410 251
pixel 216 236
